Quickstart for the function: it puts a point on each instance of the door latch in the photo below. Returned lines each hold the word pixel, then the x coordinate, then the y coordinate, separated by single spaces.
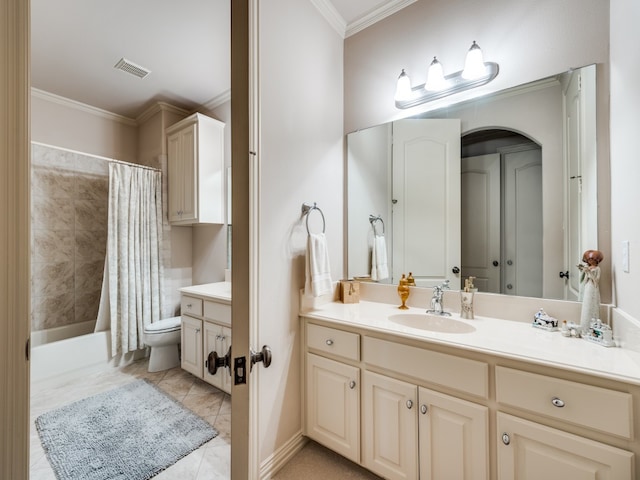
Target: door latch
pixel 239 370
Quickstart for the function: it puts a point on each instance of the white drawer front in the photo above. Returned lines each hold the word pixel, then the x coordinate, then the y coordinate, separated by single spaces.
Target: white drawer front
pixel 331 340
pixel 191 306
pixel 593 407
pixel 451 371
pixel 219 312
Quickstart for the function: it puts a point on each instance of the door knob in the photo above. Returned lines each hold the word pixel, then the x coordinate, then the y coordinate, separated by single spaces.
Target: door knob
pixel 455 270
pixel 214 362
pixel 564 274
pixel 495 263
pixel 263 356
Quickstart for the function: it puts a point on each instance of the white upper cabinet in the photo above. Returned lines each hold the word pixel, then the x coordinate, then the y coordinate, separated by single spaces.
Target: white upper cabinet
pixel 195 149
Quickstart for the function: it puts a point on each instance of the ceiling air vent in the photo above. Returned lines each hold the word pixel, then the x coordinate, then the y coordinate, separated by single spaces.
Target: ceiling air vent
pixel 130 67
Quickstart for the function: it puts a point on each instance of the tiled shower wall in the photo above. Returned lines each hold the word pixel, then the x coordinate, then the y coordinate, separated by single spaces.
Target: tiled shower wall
pixel 69 202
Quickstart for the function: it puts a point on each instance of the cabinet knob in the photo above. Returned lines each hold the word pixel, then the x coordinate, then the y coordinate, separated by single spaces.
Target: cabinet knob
pixel 329 342
pixel 557 402
pixel 352 384
pixel 423 409
pixel 409 404
pixel 506 439
pixel 197 330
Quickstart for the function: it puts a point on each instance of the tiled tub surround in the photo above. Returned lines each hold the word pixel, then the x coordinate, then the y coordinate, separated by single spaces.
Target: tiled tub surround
pixel 69 207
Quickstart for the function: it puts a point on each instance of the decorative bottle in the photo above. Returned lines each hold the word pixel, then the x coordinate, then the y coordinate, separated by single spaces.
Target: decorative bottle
pixel 403 291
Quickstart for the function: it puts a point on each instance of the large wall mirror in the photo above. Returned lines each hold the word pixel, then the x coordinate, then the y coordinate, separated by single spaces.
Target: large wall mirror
pixel 502 188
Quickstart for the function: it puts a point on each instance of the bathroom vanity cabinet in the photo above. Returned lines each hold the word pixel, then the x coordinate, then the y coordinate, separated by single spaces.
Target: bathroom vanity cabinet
pixel 206 327
pixel 406 408
pixel 195 151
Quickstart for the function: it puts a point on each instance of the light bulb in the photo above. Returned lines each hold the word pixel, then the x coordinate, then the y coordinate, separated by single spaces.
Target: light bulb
pixel 474 67
pixel 435 77
pixel 403 89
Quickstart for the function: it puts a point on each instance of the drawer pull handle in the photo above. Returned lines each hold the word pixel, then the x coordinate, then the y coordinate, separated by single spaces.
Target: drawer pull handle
pixel 557 402
pixel 506 439
pixel 188 305
pixel 197 330
pixel 329 342
pixel 423 409
pixel 409 404
pixel 352 384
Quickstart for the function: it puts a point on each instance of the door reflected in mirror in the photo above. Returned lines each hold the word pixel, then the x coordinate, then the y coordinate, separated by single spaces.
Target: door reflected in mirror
pixel 523 166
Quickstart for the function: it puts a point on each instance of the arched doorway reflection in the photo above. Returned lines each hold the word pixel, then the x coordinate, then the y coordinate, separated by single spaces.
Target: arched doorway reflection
pixel 501 221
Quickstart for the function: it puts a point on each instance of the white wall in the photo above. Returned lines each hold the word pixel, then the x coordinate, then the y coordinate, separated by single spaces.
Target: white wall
pixel 300 154
pixel 63 123
pixel 529 39
pixel 625 167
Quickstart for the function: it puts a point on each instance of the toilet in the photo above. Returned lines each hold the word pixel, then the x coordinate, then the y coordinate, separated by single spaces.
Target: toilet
pixel 164 338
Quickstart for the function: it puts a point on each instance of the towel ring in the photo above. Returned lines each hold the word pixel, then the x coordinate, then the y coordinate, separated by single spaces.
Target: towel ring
pixel 307 209
pixel 373 219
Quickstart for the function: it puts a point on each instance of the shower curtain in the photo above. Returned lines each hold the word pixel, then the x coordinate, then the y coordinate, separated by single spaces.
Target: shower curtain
pixel 132 282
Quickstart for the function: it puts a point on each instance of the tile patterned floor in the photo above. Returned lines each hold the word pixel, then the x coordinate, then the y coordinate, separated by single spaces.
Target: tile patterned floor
pixel 210 461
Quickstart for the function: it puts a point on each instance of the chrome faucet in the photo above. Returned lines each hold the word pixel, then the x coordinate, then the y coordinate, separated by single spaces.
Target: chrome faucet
pixel 436 300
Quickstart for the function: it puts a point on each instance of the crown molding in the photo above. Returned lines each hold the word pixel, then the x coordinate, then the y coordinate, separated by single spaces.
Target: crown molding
pixel 331 15
pixel 158 107
pixel 67 102
pixel 218 100
pixel 376 15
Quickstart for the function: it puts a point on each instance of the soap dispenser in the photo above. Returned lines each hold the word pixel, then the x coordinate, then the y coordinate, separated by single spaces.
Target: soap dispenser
pixel 466 299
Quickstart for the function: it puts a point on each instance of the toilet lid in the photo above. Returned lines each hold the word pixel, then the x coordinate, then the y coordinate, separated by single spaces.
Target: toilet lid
pixel 166 325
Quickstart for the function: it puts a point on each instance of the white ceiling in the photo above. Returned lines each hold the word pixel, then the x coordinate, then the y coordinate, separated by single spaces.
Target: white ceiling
pixel 76 43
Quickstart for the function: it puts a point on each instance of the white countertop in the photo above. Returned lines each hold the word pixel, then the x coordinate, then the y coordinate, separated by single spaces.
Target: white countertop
pixel 219 292
pixel 503 338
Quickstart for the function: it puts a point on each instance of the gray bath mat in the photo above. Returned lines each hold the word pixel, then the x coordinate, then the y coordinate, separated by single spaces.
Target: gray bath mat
pixel 132 432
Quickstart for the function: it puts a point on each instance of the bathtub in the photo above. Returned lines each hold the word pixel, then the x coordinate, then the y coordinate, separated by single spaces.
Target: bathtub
pixel 62 354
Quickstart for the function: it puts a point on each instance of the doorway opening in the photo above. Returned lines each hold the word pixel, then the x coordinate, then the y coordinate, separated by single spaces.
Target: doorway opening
pixel 501 212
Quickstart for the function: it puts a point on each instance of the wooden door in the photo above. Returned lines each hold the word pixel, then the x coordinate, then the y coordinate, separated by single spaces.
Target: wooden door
pixel 333 405
pixel 426 197
pixel 454 438
pixel 522 240
pixel 390 427
pixel 480 217
pixel 530 451
pixel 192 359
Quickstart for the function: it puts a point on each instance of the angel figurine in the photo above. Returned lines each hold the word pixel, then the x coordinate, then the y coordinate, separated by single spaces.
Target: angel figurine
pixel 590 288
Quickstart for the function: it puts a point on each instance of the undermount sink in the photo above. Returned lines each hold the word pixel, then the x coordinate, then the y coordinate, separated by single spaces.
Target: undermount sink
pixel 433 323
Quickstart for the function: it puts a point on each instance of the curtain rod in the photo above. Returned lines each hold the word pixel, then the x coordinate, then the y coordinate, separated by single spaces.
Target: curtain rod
pixel 97 156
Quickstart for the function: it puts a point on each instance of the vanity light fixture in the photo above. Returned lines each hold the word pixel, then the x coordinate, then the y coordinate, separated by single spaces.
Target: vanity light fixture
pixel 476 72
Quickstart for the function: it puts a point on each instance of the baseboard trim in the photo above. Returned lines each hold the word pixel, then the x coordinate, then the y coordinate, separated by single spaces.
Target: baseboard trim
pixel 282 455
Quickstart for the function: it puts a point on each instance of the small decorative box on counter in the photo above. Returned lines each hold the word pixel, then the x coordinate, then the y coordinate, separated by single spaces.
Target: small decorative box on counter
pixel 544 321
pixel 349 291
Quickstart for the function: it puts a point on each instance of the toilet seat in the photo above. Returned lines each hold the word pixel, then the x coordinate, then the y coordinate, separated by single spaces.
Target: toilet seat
pixel 164 326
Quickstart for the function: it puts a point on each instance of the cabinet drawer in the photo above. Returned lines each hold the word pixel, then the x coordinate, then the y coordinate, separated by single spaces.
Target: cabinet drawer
pixel 191 306
pixel 331 340
pixel 592 407
pixel 451 371
pixel 217 311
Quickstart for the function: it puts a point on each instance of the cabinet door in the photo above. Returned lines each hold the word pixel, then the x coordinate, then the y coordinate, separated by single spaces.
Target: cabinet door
pixel 181 152
pixel 530 451
pixel 191 333
pixel 390 427
pixel 217 339
pixel 453 438
pixel 333 405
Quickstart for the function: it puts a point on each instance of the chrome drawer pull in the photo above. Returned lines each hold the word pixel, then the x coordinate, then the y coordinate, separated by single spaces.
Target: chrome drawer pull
pixel 329 342
pixel 409 404
pixel 423 409
pixel 188 305
pixel 352 384
pixel 506 439
pixel 557 402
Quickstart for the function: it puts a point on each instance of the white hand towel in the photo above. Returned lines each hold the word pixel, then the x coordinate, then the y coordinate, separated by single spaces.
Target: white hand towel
pixel 318 275
pixel 379 268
